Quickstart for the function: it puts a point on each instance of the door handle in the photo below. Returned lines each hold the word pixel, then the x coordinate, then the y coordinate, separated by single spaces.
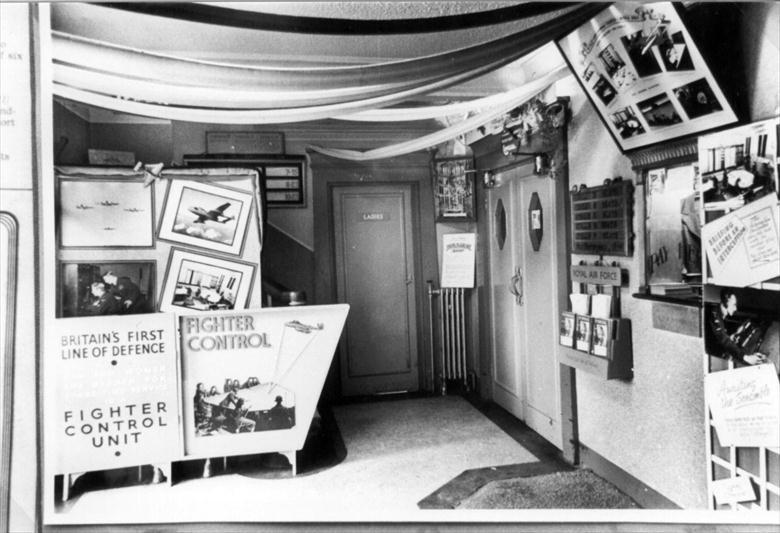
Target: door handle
pixel 516 286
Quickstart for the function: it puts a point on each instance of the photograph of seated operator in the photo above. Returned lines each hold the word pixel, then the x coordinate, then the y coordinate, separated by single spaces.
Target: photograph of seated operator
pixel 726 337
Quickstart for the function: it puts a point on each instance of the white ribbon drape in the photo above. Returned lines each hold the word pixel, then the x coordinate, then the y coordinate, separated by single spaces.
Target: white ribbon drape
pixel 421 143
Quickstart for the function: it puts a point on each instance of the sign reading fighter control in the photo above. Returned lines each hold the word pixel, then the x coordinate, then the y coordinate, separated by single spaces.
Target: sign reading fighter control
pixel 251 380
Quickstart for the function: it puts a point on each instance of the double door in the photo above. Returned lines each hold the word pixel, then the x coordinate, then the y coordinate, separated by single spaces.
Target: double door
pixel 525 297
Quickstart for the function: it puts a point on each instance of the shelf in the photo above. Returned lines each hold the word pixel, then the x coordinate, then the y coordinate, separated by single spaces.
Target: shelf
pixel 688 302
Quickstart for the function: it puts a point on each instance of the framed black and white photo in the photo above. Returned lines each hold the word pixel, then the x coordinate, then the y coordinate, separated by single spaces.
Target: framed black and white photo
pixel 98 212
pixel 200 282
pixel 206 216
pixel 454 189
pixel 95 288
pixel 644 75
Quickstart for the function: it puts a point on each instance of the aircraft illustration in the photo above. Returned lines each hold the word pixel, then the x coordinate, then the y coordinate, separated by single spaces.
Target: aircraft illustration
pixel 82 206
pixel 133 210
pixel 106 203
pixel 304 328
pixel 108 228
pixel 214 215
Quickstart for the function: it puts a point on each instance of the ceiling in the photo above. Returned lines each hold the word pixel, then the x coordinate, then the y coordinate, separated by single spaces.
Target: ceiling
pixel 212 42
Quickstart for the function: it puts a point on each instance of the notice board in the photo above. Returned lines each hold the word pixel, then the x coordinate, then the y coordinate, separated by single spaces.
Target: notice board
pixel 601 219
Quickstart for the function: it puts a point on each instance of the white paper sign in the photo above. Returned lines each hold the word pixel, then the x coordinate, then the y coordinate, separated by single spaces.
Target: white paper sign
pixel 111 394
pixel 743 247
pixel 458 259
pixel 745 405
pixel 731 490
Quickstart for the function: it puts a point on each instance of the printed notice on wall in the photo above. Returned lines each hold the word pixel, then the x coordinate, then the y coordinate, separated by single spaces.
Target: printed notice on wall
pixel 745 405
pixel 15 97
pixel 458 259
pixel 743 247
pixel 111 396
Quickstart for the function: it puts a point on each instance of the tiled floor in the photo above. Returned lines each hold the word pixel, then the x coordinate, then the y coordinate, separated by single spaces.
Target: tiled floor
pixel 398 452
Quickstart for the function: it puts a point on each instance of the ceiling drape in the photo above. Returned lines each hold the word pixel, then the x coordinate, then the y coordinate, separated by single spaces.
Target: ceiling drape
pixel 148 83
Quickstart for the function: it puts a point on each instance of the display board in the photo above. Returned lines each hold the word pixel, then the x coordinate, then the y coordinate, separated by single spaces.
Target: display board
pixel 601 219
pixel 644 74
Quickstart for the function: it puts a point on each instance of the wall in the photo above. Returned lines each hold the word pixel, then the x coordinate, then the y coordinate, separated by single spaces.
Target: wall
pixel 656 420
pixel 73 130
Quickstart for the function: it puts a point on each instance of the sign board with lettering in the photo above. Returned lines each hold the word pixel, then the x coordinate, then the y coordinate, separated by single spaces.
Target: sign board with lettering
pixel 111 397
pixel 745 405
pixel 601 219
pixel 251 380
pixel 596 275
pixel 743 247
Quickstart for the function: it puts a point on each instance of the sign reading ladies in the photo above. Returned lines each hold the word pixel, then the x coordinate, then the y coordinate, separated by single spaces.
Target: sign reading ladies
pixel 111 392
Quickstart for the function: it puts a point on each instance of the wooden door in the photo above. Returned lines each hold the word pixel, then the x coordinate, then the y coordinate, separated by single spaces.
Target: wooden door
pixel 525 300
pixel 374 253
pixel 539 328
pixel 505 311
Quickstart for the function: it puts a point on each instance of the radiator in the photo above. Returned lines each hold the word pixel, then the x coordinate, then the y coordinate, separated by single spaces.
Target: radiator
pixel 452 330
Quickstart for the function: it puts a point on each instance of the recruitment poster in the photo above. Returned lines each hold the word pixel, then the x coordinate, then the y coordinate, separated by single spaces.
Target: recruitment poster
pixel 111 395
pixel 251 380
pixel 745 405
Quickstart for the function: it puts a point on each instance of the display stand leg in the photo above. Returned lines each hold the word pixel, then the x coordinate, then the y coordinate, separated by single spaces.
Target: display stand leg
pixel 207 468
pixel 160 471
pixel 65 487
pixel 291 456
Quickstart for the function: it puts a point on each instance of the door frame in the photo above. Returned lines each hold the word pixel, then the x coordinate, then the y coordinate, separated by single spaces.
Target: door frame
pixel 415 169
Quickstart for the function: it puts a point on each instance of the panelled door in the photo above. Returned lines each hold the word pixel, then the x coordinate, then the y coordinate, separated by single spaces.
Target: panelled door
pixel 375 270
pixel 525 298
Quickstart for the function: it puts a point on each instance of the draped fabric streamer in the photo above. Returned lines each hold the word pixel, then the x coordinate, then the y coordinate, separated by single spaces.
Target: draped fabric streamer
pixel 241 18
pixel 426 141
pixel 152 84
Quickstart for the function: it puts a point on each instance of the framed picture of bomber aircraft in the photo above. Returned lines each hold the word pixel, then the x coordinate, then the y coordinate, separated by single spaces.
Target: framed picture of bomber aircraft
pixel 207 216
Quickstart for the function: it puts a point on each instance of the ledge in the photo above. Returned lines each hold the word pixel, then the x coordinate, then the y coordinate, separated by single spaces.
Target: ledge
pixel 687 302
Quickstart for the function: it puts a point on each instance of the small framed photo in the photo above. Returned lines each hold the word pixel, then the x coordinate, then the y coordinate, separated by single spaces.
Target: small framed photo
pixel 583 332
pixel 453 189
pixel 99 212
pixel 567 329
pixel 199 282
pixel 206 216
pixel 95 288
pixel 602 334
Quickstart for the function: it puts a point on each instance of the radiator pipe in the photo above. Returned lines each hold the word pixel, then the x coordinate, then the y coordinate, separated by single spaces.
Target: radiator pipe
pixel 431 293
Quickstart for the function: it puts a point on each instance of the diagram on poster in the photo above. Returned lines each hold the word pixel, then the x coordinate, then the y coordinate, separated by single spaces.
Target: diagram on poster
pixel 111 397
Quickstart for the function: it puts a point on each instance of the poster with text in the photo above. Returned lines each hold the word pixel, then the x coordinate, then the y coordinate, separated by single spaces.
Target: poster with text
pixel 251 380
pixel 458 259
pixel 743 247
pixel 745 405
pixel 111 393
pixel 644 74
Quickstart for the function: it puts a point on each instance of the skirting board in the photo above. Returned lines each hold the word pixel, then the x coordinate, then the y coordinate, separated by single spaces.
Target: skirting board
pixel 646 497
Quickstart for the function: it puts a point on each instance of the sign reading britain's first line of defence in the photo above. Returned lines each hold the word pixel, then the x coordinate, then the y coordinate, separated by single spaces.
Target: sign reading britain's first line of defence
pixel 111 392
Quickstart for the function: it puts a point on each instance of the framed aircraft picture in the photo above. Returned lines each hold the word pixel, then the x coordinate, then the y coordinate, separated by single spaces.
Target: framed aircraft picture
pixel 207 216
pixel 105 212
pixel 644 75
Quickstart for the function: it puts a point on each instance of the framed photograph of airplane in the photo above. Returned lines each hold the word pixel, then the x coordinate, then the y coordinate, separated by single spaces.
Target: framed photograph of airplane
pixel 207 216
pixel 199 282
pixel 101 212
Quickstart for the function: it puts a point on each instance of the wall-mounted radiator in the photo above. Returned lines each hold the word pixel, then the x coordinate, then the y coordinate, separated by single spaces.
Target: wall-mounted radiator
pixel 452 334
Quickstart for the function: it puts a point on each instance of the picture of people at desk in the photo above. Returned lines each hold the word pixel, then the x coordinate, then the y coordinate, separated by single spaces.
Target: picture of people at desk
pixel 242 407
pixel 206 288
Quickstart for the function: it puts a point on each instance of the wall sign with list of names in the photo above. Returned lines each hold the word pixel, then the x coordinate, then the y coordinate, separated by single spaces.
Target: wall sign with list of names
pixel 601 219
